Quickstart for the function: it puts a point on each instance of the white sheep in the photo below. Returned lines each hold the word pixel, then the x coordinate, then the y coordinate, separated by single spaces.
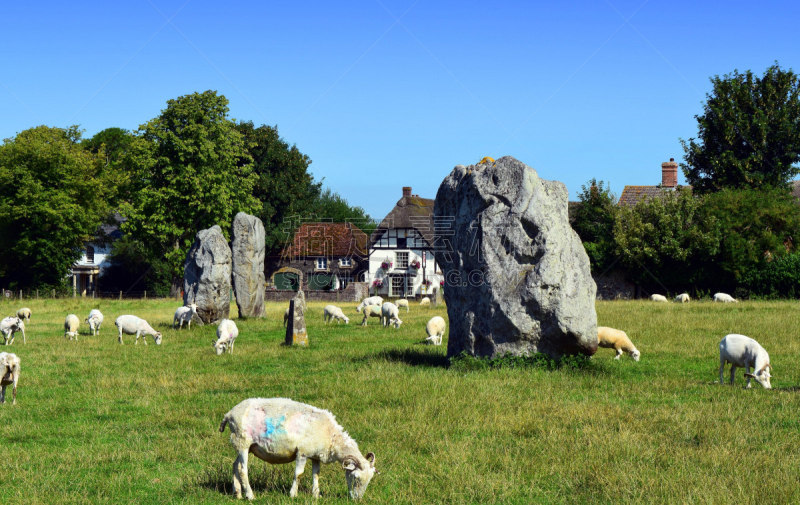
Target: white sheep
pixel 183 315
pixel 682 298
pixel 25 314
pixel 9 374
pixel 390 315
pixel 9 326
pixel 425 302
pixel 372 300
pixel 724 298
pixel 331 312
pixel 402 302
pixel 658 298
pixel 71 324
pixel 371 311
pixel 94 320
pixel 742 351
pixel 435 330
pixel 279 430
pixel 132 325
pixel 226 336
pixel 611 338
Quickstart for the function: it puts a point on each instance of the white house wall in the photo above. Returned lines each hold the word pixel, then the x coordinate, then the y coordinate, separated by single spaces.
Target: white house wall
pixel 378 256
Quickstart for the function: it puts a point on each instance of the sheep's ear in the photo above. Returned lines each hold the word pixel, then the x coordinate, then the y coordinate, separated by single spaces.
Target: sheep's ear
pixel 750 376
pixel 371 458
pixel 349 463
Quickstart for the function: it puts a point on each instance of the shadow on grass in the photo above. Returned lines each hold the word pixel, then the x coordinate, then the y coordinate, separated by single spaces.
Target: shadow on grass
pixel 220 479
pixel 788 389
pixel 413 357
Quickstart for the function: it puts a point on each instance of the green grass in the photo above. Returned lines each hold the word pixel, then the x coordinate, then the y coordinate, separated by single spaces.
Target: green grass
pixel 96 422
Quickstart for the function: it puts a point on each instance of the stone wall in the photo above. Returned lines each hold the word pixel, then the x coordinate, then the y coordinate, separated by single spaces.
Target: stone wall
pixel 354 292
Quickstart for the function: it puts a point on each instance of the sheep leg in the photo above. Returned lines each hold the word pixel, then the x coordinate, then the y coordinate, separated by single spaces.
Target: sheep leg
pixel 721 371
pixel 733 371
pixel 120 337
pixel 3 394
pixel 240 472
pixel 299 466
pixel 315 478
pixel 14 393
pixel 24 340
pixel 746 373
pixel 619 353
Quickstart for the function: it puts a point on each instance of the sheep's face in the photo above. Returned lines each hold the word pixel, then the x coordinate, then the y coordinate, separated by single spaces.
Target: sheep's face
pixel 346 320
pixel 397 322
pixel 636 354
pixel 358 477
pixel 219 348
pixel 157 338
pixel 762 377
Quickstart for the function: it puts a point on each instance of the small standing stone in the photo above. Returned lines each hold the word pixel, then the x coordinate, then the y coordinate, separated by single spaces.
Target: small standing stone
pixel 296 326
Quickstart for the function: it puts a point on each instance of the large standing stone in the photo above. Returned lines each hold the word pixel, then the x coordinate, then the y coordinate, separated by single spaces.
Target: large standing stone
pixel 207 275
pixel 517 276
pixel 247 241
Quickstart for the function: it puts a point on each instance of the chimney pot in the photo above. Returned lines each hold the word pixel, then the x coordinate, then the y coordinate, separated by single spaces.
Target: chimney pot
pixel 406 190
pixel 669 173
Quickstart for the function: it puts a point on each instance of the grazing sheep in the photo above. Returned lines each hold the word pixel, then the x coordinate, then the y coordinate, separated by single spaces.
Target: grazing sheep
pixel 682 298
pixel 331 312
pixel 25 314
pixel 742 351
pixel 658 298
pixel 95 319
pixel 226 336
pixel 435 330
pixel 425 302
pixel 183 315
pixel 611 338
pixel 371 311
pixel 724 298
pixel 132 325
pixel 9 326
pixel 71 323
pixel 402 302
pixel 9 374
pixel 390 315
pixel 372 300
pixel 279 430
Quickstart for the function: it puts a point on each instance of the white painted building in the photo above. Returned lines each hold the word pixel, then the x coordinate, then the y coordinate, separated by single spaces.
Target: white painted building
pixel 401 261
pixel 94 259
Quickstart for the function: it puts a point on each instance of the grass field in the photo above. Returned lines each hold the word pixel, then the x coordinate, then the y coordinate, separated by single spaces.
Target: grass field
pixel 96 422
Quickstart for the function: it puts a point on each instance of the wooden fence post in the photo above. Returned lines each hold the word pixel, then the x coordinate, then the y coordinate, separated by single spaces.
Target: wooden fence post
pixel 120 295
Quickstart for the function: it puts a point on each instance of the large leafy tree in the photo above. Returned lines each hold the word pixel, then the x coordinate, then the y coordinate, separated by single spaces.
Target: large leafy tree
pixel 114 143
pixel 190 169
pixel 748 133
pixel 284 188
pixel 54 199
pixel 666 242
pixel 594 222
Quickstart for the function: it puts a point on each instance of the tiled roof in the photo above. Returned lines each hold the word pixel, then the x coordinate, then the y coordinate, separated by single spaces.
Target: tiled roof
pixel 632 195
pixel 327 239
pixel 409 212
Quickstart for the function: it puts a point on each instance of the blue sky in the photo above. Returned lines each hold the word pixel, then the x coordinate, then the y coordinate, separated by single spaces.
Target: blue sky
pixel 382 94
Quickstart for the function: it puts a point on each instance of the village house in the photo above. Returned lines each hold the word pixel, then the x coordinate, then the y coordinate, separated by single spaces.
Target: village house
pixel 322 256
pixel 631 195
pixel 401 261
pixel 94 259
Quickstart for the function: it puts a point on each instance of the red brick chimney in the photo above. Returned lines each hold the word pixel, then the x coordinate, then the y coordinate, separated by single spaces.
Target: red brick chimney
pixel 406 191
pixel 669 173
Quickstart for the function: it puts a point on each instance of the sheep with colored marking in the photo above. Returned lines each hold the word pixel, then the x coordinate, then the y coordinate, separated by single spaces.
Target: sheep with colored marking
pixel 227 331
pixel 371 311
pixel 372 300
pixel 280 430
pixel 742 351
pixel 9 375
pixel 390 315
pixel 618 340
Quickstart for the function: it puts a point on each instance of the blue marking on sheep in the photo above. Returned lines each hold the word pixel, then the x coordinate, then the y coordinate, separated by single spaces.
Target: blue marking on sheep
pixel 273 426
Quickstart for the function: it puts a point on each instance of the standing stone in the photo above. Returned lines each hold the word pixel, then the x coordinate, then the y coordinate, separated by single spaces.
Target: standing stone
pixel 296 326
pixel 518 277
pixel 247 241
pixel 207 275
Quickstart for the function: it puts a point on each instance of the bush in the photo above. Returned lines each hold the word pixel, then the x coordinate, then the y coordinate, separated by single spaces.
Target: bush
pixel 779 278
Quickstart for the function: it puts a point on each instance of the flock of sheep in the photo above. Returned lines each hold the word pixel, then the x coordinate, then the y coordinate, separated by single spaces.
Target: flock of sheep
pixel 280 430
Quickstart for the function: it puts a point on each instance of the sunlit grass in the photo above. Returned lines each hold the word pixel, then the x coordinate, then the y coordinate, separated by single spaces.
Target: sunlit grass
pixel 97 422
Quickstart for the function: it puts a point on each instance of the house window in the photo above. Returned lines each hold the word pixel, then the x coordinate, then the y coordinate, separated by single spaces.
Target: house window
pixel 346 262
pixel 398 286
pixel 89 254
pixel 402 260
pixel 322 263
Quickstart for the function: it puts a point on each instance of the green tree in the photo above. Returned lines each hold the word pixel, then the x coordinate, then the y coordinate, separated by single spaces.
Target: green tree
pixel 594 223
pixel 331 206
pixel 757 225
pixel 666 242
pixel 190 169
pixel 748 134
pixel 283 187
pixel 54 199
pixel 114 143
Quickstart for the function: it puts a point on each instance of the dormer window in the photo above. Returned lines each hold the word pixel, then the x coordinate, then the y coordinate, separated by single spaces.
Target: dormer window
pixel 322 263
pixel 89 254
pixel 346 262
